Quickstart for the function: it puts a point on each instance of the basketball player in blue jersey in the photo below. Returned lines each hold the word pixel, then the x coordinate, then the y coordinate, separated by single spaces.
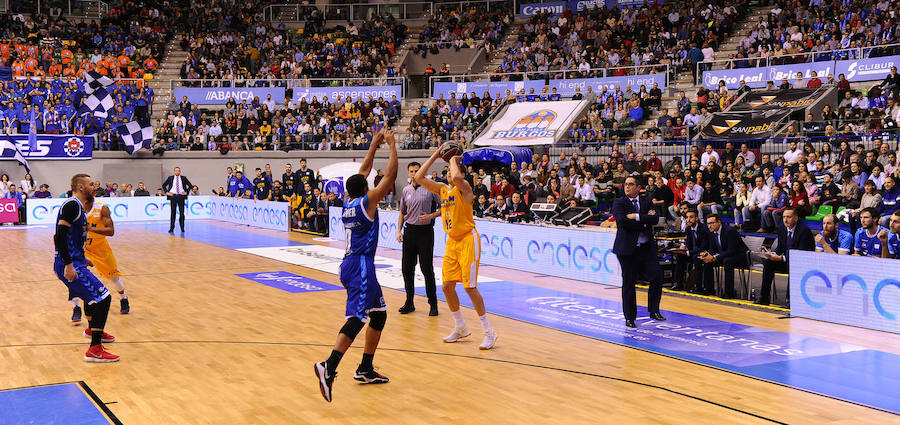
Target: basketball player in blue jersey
pixel 364 299
pixel 71 267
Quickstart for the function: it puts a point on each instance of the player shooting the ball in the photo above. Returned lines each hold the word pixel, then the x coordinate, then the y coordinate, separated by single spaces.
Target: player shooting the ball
pixel 463 244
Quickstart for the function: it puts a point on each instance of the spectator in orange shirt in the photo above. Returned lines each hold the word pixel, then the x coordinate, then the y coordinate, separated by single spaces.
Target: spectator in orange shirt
pixel 31 64
pixel 150 64
pixel 66 56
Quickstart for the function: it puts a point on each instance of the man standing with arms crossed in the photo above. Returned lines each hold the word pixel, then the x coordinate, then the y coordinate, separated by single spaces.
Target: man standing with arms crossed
pixel 463 247
pixel 415 230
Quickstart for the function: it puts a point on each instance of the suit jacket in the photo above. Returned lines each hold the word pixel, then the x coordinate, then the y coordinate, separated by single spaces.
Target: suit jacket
pixel 803 240
pixel 730 241
pixel 168 185
pixel 699 243
pixel 628 230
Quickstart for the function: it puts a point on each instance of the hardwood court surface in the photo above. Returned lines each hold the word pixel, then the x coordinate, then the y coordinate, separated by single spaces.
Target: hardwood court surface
pixel 203 346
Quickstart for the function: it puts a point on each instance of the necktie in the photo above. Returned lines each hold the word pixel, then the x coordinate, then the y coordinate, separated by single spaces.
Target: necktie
pixel 178 185
pixel 718 242
pixel 636 205
pixel 790 238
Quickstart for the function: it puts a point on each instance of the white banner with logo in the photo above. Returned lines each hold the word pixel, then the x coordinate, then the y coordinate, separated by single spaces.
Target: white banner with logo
pixel 572 253
pixel 532 123
pixel 846 289
pixel 264 214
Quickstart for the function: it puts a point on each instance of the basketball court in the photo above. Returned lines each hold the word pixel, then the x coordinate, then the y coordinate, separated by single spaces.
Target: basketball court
pixel 228 320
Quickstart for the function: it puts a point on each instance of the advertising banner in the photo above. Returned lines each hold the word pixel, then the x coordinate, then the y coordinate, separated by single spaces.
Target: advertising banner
pixel 9 211
pixel 52 146
pixel 846 289
pixel 567 87
pixel 495 88
pixel 528 10
pixel 743 125
pixel 776 99
pixel 353 92
pixel 264 214
pixel 558 7
pixel 563 87
pixel 872 69
pixel 220 95
pixel 532 123
pixel 563 252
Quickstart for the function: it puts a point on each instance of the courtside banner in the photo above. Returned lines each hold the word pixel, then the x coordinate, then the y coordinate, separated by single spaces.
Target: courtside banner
pixel 443 90
pixel 264 214
pixel 567 87
pixel 532 123
pixel 52 146
pixel 776 99
pixel 569 253
pixel 743 125
pixel 528 10
pixel 9 211
pixel 220 95
pixel 141 208
pixel 846 289
pixel 871 69
pixel 353 92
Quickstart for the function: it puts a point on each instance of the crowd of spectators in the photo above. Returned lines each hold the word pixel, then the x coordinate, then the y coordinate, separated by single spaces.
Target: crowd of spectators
pixel 822 30
pixel 464 25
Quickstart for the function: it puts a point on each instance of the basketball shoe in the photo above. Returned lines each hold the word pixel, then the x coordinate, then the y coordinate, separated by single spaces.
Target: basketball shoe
pixel 107 338
pixel 457 334
pixel 76 314
pixel 98 354
pixel 370 377
pixel 490 338
pixel 325 380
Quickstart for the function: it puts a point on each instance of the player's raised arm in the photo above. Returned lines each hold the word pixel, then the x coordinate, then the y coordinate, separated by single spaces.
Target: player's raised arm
pixel 366 166
pixel 421 177
pixel 109 228
pixel 458 177
pixel 387 182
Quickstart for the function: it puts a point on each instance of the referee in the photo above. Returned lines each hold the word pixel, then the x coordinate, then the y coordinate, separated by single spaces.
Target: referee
pixel 415 230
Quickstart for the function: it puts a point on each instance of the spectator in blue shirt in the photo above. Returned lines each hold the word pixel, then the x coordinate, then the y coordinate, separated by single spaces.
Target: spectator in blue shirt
pixel 890 240
pixel 780 201
pixel 832 239
pixel 242 184
pixel 867 242
pixel 636 114
pixel 890 200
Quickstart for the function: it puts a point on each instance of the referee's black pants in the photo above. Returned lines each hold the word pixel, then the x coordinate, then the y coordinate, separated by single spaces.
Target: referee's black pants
pixel 418 245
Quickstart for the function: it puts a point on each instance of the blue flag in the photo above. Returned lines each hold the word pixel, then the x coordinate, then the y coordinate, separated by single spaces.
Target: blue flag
pixel 32 134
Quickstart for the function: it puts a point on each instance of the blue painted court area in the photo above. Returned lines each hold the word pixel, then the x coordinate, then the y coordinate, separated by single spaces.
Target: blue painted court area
pixel 843 371
pixel 64 404
pixel 206 232
pixel 290 282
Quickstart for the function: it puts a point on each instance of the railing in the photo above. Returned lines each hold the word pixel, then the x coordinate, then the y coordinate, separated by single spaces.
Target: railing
pixel 364 11
pixel 86 8
pixel 796 58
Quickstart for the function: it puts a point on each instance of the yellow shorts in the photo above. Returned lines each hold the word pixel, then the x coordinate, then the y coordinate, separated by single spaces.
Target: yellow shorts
pixel 100 253
pixel 461 260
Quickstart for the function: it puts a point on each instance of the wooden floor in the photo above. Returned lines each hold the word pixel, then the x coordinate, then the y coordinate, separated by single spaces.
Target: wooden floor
pixel 205 346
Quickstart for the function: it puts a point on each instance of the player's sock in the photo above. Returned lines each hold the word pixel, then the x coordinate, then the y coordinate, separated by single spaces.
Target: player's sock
pixel 458 318
pixel 366 364
pixel 122 295
pixel 74 302
pixel 118 281
pixel 484 323
pixel 333 360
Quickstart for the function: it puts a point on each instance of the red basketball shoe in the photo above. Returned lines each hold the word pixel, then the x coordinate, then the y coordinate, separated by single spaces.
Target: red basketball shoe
pixel 107 338
pixel 97 354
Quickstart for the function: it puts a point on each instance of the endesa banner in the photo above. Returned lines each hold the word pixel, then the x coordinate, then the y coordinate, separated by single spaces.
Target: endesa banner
pixel 563 87
pixel 563 252
pixel 220 95
pixel 776 99
pixel 743 125
pixel 846 289
pixel 50 146
pixel 872 69
pixel 9 211
pixel 532 123
pixel 264 214
pixel 353 92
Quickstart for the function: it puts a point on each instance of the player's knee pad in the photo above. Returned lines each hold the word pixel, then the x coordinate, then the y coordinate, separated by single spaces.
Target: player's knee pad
pixel 352 327
pixel 377 319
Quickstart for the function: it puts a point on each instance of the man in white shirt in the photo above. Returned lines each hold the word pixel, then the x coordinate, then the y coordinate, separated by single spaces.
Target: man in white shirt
pixel 759 200
pixel 176 187
pixel 708 155
pixel 691 120
pixel 269 103
pixel 799 83
pixel 748 155
pixel 584 193
pixel 793 154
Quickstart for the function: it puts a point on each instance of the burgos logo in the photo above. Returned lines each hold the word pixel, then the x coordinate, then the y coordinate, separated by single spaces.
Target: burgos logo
pixel 74 146
pixel 496 246
pixel 855 280
pixel 535 124
pixel 567 255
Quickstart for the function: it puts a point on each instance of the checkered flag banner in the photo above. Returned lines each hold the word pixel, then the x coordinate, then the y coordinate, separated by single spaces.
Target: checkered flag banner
pixel 136 135
pixel 93 80
pixel 98 103
pixel 8 149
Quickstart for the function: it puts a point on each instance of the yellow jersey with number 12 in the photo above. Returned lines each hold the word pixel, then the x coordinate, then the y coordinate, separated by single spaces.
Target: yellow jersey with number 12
pixel 456 213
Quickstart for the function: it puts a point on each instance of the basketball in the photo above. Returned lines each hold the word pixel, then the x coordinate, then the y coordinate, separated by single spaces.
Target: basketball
pixel 449 150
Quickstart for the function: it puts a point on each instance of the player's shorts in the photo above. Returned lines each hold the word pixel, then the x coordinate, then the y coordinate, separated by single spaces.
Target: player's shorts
pixel 363 291
pixel 85 286
pixel 101 254
pixel 461 260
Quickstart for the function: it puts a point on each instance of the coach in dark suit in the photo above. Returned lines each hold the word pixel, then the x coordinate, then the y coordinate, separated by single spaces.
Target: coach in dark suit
pixel 635 248
pixel 725 248
pixel 176 187
pixel 793 235
pixel 695 243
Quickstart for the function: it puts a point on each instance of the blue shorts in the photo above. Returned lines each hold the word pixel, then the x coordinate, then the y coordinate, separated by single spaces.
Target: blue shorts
pixel 86 286
pixel 363 291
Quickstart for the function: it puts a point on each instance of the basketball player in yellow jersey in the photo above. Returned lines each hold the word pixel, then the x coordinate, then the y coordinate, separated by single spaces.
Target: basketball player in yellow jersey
pixel 463 247
pixel 97 249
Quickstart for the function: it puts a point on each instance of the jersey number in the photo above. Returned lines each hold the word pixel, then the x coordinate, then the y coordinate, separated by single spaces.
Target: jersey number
pixel 349 235
pixel 449 223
